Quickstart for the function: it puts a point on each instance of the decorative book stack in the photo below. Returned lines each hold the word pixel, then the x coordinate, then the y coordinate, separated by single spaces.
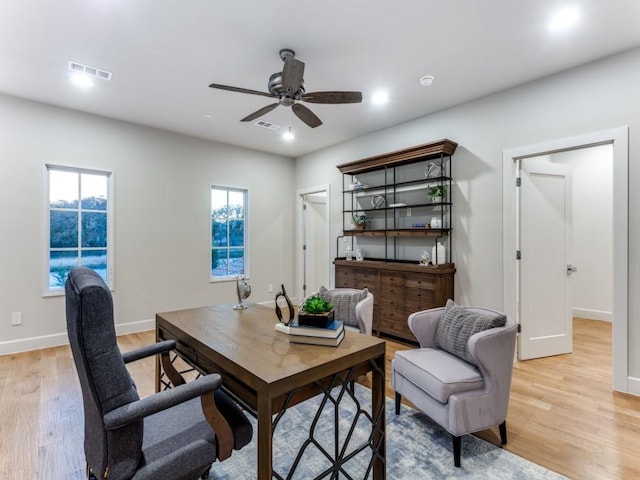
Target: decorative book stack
pixel 331 335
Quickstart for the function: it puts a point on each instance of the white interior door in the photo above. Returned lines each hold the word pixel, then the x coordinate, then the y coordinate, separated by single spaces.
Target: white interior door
pixel 544 270
pixel 315 242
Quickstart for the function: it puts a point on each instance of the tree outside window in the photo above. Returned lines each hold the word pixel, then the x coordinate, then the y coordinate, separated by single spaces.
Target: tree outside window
pixel 228 232
pixel 78 221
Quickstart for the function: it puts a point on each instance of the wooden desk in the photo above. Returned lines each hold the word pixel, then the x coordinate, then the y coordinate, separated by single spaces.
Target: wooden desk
pixel 267 373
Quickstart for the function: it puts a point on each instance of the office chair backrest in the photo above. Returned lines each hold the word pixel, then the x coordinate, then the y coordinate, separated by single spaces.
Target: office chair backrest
pixel 104 379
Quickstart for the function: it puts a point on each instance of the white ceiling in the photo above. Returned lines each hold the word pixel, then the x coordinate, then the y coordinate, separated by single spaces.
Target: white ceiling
pixel 165 53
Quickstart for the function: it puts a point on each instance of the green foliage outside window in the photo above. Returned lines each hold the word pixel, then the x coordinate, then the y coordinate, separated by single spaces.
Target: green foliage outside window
pixel 228 230
pixel 78 224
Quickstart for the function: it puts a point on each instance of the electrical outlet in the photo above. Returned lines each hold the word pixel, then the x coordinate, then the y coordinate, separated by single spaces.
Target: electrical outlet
pixel 408 212
pixel 16 318
pixel 270 288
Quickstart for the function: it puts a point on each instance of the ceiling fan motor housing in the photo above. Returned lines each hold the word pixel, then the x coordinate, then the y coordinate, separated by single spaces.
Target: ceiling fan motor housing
pixel 275 88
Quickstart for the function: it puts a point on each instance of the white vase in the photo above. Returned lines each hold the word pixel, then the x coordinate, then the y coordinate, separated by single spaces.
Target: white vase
pixel 439 254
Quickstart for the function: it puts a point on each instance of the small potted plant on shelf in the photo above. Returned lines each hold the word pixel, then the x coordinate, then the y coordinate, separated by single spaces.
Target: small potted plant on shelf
pixel 316 312
pixel 437 193
pixel 359 220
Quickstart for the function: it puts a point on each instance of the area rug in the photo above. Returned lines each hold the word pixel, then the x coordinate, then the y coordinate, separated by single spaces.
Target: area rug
pixel 417 448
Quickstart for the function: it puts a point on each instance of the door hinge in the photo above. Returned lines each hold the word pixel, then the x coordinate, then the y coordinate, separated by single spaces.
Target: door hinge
pixel 304 247
pixel 519 328
pixel 518 256
pixel 518 181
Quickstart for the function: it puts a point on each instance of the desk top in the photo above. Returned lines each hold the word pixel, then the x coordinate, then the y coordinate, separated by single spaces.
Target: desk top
pixel 245 343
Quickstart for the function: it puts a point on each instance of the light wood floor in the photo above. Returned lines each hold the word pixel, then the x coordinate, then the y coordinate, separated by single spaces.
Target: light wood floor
pixel 563 414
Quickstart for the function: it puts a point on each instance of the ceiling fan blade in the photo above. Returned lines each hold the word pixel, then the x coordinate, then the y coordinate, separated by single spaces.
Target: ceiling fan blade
pixel 332 97
pixel 259 113
pixel 292 74
pixel 241 90
pixel 306 115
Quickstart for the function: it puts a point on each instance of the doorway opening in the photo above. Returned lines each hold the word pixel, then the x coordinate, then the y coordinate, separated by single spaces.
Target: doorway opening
pixel 564 224
pixel 314 240
pixel 618 139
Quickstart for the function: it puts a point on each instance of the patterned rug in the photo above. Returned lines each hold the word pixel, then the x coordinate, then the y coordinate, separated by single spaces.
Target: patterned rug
pixel 417 448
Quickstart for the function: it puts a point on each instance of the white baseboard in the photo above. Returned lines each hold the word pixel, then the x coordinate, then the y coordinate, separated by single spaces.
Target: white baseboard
pixel 633 385
pixel 33 343
pixel 135 327
pixel 593 314
pixel 57 339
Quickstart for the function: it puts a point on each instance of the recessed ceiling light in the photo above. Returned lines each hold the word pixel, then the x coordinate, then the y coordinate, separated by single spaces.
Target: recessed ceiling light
pixel 564 19
pixel 81 80
pixel 426 80
pixel 380 98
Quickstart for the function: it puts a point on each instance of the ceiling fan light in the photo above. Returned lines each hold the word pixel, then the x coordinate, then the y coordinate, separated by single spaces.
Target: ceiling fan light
pixel 288 135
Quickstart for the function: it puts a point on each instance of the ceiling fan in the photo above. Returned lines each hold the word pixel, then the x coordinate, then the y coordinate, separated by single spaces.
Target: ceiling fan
pixel 288 87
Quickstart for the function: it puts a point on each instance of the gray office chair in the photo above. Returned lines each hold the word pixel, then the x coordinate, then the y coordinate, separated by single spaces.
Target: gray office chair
pixel 461 375
pixel 175 434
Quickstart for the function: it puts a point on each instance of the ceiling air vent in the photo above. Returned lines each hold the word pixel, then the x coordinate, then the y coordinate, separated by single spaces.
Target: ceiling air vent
pixel 268 125
pixel 91 71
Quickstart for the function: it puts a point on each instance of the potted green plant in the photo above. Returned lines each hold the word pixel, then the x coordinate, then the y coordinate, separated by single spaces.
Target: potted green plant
pixel 316 312
pixel 437 193
pixel 359 220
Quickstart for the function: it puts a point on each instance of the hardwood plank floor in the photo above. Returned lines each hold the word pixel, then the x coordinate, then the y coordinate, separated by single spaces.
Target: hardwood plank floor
pixel 562 415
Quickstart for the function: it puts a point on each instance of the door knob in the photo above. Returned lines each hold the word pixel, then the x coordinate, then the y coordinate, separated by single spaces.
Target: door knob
pixel 571 269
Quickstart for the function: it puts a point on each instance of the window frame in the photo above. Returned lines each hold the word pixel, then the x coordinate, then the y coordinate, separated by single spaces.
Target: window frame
pixel 245 192
pixel 49 291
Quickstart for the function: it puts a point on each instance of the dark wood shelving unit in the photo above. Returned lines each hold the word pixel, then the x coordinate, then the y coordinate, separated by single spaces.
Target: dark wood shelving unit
pixel 400 286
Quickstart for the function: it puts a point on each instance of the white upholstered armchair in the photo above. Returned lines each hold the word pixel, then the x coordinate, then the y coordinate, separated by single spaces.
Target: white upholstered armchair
pixel 461 375
pixel 354 307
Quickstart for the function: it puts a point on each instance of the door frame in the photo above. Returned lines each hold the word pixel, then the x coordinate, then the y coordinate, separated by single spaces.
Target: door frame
pixel 300 194
pixel 619 138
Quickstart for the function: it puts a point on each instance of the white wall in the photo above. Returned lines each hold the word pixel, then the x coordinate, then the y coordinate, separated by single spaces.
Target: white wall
pixel 595 97
pixel 162 232
pixel 592 230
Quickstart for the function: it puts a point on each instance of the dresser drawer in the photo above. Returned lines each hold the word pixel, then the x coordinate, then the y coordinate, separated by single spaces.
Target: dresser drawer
pixel 393 315
pixel 426 282
pixel 422 298
pixel 387 279
pixel 400 304
pixel 356 278
pixel 398 328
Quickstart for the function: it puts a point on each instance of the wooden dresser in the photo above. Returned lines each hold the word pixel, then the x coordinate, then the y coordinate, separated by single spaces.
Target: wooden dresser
pixel 399 289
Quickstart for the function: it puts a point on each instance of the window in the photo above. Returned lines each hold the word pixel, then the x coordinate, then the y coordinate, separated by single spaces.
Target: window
pixel 79 223
pixel 228 232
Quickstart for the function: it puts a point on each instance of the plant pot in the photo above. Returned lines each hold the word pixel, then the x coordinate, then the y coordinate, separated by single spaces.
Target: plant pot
pixel 359 226
pixel 436 199
pixel 319 320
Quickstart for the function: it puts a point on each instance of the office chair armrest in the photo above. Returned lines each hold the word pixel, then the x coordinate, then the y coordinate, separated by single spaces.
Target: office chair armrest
pixel 161 401
pixel 148 350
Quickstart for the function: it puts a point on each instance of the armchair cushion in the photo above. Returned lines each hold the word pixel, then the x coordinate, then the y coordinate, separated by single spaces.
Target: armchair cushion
pixel 458 324
pixel 344 303
pixel 446 375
